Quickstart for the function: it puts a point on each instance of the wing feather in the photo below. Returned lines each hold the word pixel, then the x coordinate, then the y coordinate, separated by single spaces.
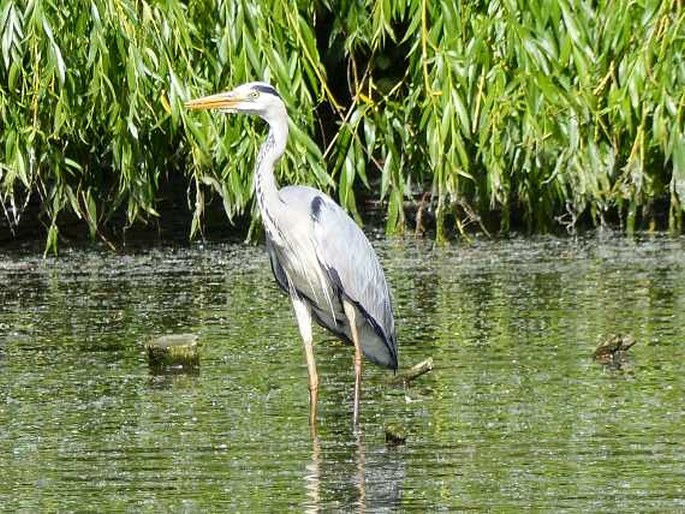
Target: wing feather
pixel 332 260
pixel 351 263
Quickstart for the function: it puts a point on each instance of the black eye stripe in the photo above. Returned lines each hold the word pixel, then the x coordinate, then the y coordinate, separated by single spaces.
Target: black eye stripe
pixel 266 89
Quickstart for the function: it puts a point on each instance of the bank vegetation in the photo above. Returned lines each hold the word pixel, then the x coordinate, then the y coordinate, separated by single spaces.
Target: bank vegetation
pixel 451 116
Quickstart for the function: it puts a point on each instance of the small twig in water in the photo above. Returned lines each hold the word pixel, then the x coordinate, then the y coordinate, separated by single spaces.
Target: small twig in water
pixel 405 377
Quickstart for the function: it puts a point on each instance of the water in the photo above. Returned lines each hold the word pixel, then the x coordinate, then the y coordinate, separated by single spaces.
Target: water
pixel 516 416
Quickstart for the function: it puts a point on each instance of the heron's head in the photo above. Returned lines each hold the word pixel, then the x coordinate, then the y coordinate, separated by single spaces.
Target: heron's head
pixel 257 98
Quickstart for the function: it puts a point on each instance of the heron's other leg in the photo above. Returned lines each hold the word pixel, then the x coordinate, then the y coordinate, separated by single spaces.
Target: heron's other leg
pixel 304 321
pixel 351 313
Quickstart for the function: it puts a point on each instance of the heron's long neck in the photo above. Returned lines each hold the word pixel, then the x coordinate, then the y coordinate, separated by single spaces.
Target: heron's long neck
pixel 265 182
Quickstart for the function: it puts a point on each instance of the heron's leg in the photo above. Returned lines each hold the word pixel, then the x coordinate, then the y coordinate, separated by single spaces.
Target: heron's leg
pixel 351 313
pixel 304 322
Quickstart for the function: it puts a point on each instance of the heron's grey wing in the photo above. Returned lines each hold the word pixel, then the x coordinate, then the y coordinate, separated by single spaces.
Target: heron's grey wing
pixel 276 267
pixel 352 265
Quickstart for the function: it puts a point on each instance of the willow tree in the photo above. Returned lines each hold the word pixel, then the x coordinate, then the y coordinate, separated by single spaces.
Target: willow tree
pixel 545 111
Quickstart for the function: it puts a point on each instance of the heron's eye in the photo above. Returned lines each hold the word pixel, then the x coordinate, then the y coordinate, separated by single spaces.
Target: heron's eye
pixel 254 94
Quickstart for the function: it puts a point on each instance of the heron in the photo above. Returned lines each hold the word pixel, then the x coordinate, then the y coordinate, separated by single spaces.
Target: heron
pixel 318 254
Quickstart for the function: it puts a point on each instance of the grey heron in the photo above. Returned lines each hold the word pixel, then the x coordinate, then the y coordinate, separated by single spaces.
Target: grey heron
pixel 318 254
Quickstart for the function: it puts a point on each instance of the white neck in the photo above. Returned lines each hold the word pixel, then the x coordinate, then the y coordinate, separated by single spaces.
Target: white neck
pixel 272 149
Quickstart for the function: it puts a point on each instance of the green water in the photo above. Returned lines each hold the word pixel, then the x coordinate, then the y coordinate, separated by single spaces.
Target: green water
pixel 516 416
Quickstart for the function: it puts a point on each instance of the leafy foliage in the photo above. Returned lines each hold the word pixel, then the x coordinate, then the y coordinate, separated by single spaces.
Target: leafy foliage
pixel 544 110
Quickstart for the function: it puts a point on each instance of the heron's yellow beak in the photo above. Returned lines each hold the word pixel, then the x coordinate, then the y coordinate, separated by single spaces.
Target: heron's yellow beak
pixel 217 101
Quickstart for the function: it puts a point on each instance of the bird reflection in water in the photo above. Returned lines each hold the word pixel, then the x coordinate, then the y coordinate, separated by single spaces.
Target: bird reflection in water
pixel 369 481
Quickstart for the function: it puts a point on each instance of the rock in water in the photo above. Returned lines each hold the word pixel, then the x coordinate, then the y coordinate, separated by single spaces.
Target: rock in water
pixel 395 434
pixel 173 351
pixel 612 349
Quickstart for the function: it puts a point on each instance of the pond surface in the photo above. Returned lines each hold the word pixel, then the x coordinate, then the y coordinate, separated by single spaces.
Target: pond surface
pixel 515 416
